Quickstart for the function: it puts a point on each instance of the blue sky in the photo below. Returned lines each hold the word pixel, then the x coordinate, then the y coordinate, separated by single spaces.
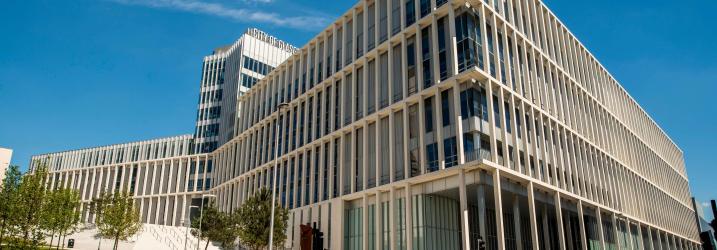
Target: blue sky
pixel 81 73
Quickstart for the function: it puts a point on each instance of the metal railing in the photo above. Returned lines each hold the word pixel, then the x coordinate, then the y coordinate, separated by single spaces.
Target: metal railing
pixel 477 154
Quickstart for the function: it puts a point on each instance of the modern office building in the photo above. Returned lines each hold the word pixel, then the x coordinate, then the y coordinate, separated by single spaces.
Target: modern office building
pixel 434 124
pixel 163 175
pixel 423 124
pixel 167 175
pixel 5 159
pixel 226 74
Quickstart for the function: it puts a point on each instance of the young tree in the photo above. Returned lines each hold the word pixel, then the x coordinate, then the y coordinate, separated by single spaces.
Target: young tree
pixel 211 220
pixel 117 217
pixel 227 232
pixel 8 198
pixel 217 226
pixel 50 216
pixel 31 195
pixel 254 217
pixel 69 214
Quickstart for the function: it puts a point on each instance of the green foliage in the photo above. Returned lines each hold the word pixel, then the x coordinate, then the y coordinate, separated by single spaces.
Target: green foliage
pixel 9 194
pixel 29 207
pixel 216 226
pixel 254 217
pixel 117 217
pixel 61 214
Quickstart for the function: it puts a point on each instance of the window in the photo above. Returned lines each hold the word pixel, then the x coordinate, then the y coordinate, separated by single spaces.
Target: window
pixel 358 160
pixel 325 170
pixel 397 75
pixel 337 105
pixel 411 65
pixel 432 157
pixel 451 151
pixel 446 107
pixel 428 108
pixel 371 26
pixel 346 173
pixel 310 121
pixel 347 100
pixel 496 111
pixel 442 54
pixel 410 12
pixel 384 151
pixel 473 103
pixel 413 140
pixel 358 97
pixel 371 156
pixel 335 167
pixel 468 146
pixel 426 56
pixel 349 42
pixel 508 127
pixel 371 81
pixel 395 16
pixel 299 192
pixel 399 161
pixel 337 60
pixel 501 58
pixel 491 50
pixel 425 7
pixel 291 166
pixel 353 229
pixel 359 34
pixel 383 20
pixel 383 80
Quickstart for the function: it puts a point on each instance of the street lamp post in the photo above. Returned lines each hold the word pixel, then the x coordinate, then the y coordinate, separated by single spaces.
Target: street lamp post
pixel 201 213
pixel 189 225
pixel 280 107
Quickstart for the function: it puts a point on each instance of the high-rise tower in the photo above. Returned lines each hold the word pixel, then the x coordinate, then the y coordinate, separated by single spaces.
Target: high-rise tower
pixel 226 74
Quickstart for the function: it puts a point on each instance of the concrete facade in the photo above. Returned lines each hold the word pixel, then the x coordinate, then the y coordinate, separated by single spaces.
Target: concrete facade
pixel 428 124
pixel 163 176
pixel 226 74
pixel 167 175
pixel 435 124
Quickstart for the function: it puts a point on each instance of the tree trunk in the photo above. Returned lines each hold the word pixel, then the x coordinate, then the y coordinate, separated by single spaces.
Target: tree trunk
pixel 63 239
pixel 116 241
pixel 2 232
pixel 52 239
pixel 59 240
pixel 206 245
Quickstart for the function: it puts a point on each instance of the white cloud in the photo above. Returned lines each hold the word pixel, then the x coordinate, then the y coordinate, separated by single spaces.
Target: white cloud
pixel 238 14
pixel 259 1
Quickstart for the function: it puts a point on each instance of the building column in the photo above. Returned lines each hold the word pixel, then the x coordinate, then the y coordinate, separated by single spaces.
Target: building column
pixel 497 196
pixel 464 210
pixel 409 216
pixel 517 222
pixel 601 233
pixel 649 236
pixel 533 220
pixel 364 221
pixel 378 225
pixel 581 219
pixel 559 219
pixel 641 240
pixel 615 228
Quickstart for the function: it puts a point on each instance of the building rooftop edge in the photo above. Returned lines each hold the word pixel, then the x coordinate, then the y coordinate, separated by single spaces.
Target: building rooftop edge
pixel 179 137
